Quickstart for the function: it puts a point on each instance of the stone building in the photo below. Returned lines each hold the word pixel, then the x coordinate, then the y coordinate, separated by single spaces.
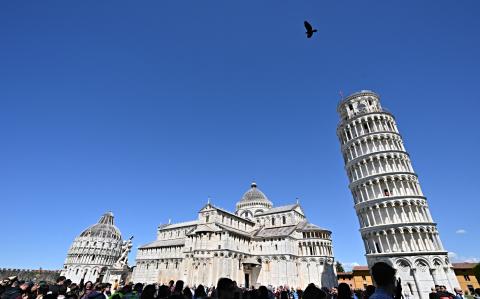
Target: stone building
pixel 94 252
pixel 395 221
pixel 257 245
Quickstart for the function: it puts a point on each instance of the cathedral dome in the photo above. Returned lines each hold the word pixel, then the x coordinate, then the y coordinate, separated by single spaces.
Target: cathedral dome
pixel 103 229
pixel 254 194
pixel 253 200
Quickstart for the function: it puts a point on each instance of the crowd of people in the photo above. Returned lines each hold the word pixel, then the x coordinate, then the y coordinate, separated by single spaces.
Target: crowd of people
pixel 387 287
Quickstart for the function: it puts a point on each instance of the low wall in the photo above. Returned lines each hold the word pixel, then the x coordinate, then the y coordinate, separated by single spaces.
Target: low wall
pixel 30 275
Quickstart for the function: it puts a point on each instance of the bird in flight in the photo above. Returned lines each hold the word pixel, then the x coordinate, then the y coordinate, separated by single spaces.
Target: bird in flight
pixel 310 29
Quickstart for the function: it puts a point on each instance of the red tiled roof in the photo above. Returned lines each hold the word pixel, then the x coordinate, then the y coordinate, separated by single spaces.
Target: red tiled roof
pixel 464 265
pixel 360 268
pixel 344 273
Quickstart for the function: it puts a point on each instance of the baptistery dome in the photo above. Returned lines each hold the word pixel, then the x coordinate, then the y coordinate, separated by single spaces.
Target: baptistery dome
pixel 253 202
pixel 103 229
pixel 94 251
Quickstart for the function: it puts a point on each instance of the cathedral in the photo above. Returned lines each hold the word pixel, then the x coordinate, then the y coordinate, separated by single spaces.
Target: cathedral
pixel 259 244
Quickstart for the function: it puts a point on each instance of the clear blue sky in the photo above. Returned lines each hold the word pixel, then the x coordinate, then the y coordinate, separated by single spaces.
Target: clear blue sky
pixel 147 108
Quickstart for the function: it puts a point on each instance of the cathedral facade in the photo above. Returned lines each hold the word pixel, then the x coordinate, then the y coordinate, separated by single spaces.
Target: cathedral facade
pixel 259 244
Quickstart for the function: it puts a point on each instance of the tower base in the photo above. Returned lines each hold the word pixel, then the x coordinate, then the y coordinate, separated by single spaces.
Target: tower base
pixel 419 272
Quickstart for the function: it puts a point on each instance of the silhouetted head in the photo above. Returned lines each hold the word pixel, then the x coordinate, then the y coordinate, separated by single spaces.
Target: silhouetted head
pixel 383 274
pixel 225 288
pixel 148 292
pixel 163 292
pixel 187 293
pixel 312 292
pixel 179 286
pixel 200 292
pixel 344 291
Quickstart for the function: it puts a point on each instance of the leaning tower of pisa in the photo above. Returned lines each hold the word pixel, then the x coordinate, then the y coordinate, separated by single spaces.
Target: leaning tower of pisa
pixel 395 222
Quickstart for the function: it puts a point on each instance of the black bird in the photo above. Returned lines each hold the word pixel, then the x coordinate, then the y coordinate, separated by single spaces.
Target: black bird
pixel 310 29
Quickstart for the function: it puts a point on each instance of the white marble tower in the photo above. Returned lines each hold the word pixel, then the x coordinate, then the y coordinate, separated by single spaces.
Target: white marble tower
pixel 395 221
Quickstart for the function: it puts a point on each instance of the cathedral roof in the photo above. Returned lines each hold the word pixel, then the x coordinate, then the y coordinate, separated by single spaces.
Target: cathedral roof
pixel 105 228
pixel 282 231
pixel 280 209
pixel 233 230
pixel 178 225
pixel 165 243
pixel 307 226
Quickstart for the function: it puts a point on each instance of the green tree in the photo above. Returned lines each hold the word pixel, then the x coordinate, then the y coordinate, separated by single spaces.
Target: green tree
pixel 339 267
pixel 476 271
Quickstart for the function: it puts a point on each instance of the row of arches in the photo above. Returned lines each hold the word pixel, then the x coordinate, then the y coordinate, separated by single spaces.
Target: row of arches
pixel 315 248
pixel 83 250
pixel 165 250
pixel 402 239
pixel 277 219
pixel 102 259
pixel 83 242
pixel 386 186
pixel 379 164
pixel 393 212
pixel 371 144
pixel 375 123
pixel 358 103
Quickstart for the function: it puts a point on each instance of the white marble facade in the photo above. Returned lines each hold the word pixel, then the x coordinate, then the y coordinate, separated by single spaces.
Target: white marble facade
pixel 257 245
pixel 395 221
pixel 94 252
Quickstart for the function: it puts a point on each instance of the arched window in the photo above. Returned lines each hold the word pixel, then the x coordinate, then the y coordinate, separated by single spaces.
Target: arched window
pixel 284 220
pixel 273 221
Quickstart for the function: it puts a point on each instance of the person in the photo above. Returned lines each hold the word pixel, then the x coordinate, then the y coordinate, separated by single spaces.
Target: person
pixel 178 289
pixel 148 292
pixel 333 293
pixel 163 292
pixel 72 291
pixel 59 281
pixel 171 285
pixel 12 290
pixel 263 292
pixel 200 292
pixel 312 292
pixel 476 294
pixel 444 294
pixel 87 289
pixel 387 287
pixel 62 291
pixel 433 294
pixel 187 293
pixel 344 291
pixel 42 290
pixel 225 288
pixel 369 290
pixel 97 292
pixel 458 293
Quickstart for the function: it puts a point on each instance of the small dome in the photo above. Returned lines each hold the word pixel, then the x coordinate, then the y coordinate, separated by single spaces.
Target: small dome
pixel 105 228
pixel 254 196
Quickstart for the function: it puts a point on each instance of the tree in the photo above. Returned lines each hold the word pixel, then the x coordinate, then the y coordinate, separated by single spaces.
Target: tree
pixel 339 267
pixel 476 271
